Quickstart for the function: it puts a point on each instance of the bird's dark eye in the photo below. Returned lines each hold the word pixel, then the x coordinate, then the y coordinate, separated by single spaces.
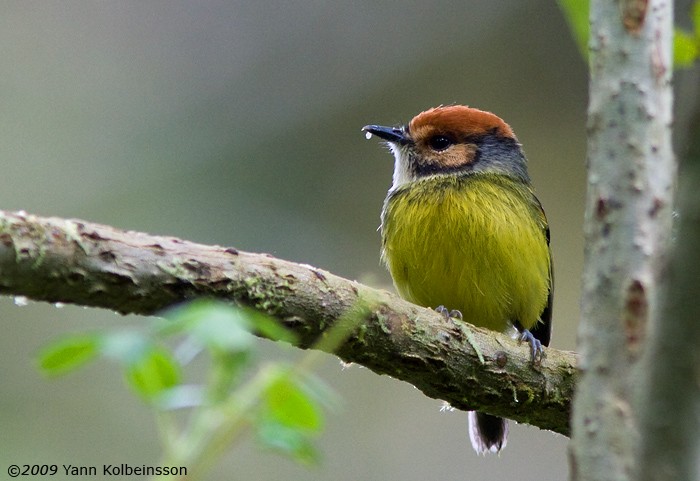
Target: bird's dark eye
pixel 439 142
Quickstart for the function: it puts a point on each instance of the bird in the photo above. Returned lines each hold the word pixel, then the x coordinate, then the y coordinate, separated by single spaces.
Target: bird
pixel 463 232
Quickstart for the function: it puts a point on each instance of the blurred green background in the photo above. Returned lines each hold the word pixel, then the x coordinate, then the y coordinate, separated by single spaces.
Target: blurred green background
pixel 238 123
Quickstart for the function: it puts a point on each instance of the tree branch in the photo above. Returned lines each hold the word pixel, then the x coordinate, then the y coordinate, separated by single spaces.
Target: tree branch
pixel 71 261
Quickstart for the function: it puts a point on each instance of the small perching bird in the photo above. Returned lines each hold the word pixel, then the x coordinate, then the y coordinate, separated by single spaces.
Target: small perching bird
pixel 462 230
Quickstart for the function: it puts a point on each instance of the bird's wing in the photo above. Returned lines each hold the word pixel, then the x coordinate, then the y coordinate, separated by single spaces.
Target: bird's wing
pixel 543 330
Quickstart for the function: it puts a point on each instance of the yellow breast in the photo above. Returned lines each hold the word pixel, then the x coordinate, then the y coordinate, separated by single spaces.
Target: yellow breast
pixel 476 243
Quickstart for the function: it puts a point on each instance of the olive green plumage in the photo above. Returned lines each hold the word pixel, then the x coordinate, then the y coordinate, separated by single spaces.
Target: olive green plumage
pixel 475 242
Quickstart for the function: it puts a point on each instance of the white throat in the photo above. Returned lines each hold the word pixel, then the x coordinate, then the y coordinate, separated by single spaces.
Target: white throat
pixel 402 174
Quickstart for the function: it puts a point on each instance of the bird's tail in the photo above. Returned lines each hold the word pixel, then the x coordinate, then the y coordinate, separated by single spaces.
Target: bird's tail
pixel 487 433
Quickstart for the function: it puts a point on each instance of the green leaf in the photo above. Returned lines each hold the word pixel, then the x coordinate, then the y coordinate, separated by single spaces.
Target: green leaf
pixel 155 372
pixel 685 49
pixel 187 313
pixel 181 397
pixel 223 328
pixel 291 406
pixel 224 373
pixel 126 346
pixel 695 18
pixel 272 329
pixel 288 441
pixel 181 318
pixel 576 14
pixel 214 324
pixel 68 354
pixel 212 320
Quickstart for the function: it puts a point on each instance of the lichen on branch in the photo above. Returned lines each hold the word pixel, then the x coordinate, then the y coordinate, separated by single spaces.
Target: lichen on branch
pixel 73 261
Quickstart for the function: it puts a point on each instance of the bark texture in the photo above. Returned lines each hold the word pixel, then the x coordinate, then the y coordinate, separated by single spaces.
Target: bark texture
pixel 670 404
pixel 71 261
pixel 627 227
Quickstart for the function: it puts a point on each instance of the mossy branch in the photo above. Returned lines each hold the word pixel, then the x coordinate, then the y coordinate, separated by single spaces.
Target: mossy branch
pixel 72 261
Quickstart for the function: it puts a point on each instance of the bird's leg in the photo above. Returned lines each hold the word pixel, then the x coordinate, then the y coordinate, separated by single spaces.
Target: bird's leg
pixel 536 347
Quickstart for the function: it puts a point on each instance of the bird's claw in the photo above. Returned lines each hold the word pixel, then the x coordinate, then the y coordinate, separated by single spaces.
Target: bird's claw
pixel 447 314
pixel 536 348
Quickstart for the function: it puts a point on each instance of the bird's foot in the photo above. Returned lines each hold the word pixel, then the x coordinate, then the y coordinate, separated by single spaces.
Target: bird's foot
pixel 536 347
pixel 447 314
pixel 455 315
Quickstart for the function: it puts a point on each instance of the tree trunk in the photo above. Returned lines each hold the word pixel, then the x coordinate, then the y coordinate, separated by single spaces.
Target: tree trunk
pixel 670 407
pixel 627 228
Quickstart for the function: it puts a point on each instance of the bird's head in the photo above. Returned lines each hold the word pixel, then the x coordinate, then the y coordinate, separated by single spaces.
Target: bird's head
pixel 452 140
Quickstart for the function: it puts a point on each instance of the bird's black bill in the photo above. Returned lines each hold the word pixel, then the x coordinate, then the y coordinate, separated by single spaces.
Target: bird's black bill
pixel 390 134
